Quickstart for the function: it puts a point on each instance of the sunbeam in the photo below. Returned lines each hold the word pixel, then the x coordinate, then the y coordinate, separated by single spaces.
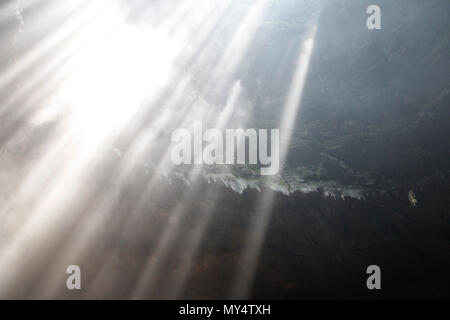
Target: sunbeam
pixel 116 80
pixel 102 74
pixel 256 234
pixel 222 149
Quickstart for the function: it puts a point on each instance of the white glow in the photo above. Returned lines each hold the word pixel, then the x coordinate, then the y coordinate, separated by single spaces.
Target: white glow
pixel 115 73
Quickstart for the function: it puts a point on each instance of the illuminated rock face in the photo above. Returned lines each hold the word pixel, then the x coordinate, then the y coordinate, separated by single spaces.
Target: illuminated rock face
pixel 412 198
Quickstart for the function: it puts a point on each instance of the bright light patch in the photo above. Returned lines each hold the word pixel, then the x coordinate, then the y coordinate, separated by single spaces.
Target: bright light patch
pixel 114 73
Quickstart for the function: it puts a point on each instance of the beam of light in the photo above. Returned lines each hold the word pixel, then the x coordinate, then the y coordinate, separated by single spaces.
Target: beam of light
pixel 253 244
pixel 88 229
pixel 234 54
pixel 94 121
pixel 49 43
pixel 147 280
pixel 102 85
pixel 241 40
pixel 111 80
pixel 102 82
pixel 25 193
pixel 190 250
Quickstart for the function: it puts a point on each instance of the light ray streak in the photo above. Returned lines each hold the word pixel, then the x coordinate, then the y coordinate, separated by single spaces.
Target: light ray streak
pixel 39 173
pixel 51 157
pixel 47 45
pixel 247 267
pixel 58 197
pixel 146 281
pixel 192 243
pixel 71 157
